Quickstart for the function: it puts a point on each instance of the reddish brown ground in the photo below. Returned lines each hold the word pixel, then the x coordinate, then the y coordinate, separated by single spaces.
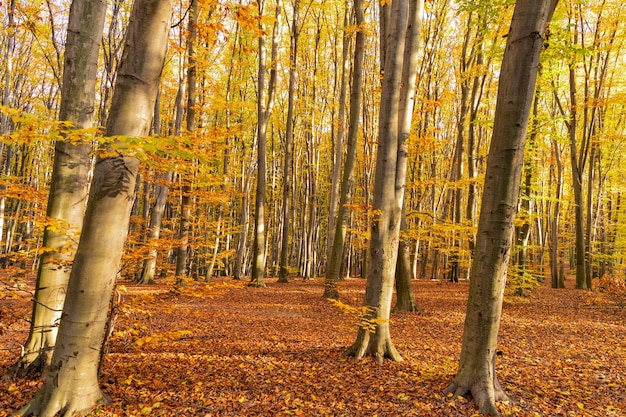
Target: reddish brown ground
pixel 227 350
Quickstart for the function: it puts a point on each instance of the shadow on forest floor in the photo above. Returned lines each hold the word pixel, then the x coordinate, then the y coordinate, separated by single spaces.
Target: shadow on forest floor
pixel 223 349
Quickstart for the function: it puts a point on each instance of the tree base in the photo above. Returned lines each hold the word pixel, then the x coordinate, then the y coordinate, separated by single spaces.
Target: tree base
pixel 256 284
pixel 53 401
pixel 484 397
pixel 408 306
pixel 331 293
pixel 368 343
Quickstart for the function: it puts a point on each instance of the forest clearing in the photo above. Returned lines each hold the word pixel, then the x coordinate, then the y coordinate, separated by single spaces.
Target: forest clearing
pixel 223 349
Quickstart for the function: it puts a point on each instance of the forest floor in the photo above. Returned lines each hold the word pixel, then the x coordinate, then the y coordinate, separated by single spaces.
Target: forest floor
pixel 223 349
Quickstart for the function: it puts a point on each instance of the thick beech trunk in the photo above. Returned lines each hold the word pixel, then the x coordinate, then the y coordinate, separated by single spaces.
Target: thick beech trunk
pixel 400 40
pixel 477 374
pixel 69 184
pixel 71 384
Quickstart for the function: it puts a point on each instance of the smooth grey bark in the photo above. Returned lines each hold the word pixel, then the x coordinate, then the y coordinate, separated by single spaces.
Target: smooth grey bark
pixel 400 68
pixel 557 279
pixel 182 253
pixel 335 256
pixel 7 99
pixel 264 110
pixel 476 373
pixel 283 271
pixel 404 272
pixel 69 184
pixel 71 384
pixel 154 228
pixel 577 186
pixel 338 134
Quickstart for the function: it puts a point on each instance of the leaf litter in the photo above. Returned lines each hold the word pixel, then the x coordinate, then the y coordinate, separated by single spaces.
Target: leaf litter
pixel 223 349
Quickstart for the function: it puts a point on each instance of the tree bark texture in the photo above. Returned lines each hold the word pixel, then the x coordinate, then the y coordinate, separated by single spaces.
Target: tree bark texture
pixel 283 272
pixel 71 384
pixel 264 109
pixel 69 183
pixel 335 256
pixel 400 48
pixel 476 373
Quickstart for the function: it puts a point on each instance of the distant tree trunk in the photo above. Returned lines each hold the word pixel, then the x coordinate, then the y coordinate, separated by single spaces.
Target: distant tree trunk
pixel 405 300
pixel 71 384
pixel 284 248
pixel 335 255
pixel 556 276
pixel 154 229
pixel 477 373
pixel 182 254
pixel 399 37
pixel 264 110
pixel 577 186
pixel 339 128
pixel 7 98
pixel 69 184
pixel 243 234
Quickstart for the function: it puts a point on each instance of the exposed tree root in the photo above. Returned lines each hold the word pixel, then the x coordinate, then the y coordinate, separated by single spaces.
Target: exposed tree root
pixel 483 393
pixel 56 402
pixel 406 305
pixel 369 343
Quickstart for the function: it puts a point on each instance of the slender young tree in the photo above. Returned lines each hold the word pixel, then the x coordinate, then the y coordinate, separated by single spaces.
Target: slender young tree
pixel 69 185
pixel 399 49
pixel 264 110
pixel 477 373
pixel 284 249
pixel 335 255
pixel 71 384
pixel 182 253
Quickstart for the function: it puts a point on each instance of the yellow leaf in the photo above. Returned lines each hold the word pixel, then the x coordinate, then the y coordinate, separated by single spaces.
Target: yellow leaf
pixel 581 406
pixel 242 399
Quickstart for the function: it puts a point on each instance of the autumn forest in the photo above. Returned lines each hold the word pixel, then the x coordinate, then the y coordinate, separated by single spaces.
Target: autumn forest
pixel 313 207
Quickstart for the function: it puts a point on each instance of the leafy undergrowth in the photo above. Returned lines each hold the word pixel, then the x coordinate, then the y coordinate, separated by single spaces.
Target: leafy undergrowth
pixel 222 349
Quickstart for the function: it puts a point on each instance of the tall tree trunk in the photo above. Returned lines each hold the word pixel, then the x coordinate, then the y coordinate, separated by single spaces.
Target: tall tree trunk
pixel 264 109
pixel 339 128
pixel 68 191
pixel 477 373
pixel 335 256
pixel 182 253
pixel 148 271
pixel 71 384
pixel 7 98
pixel 400 51
pixel 404 272
pixel 577 185
pixel 284 248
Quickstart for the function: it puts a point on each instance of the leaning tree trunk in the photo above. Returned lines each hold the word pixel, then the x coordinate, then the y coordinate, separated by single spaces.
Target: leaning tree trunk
pixel 400 45
pixel 71 384
pixel 477 374
pixel 69 185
